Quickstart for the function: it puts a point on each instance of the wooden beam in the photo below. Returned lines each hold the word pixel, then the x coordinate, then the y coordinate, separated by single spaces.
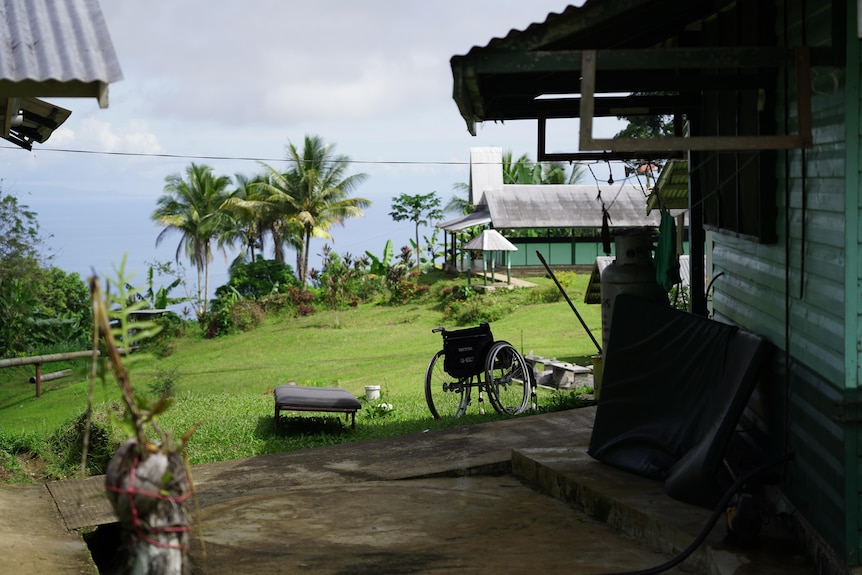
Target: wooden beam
pixel 10 110
pixel 706 143
pixel 530 108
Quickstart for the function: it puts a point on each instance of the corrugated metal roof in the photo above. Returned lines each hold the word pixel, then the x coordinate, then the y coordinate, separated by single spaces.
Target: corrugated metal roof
pixel 671 187
pixel 502 80
pixel 559 26
pixel 567 206
pixel 55 48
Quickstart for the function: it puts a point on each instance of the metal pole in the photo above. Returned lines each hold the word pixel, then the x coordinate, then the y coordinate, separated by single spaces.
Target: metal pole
pixel 571 305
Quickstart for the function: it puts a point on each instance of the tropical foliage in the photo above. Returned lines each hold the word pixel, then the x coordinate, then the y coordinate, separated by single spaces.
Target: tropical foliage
pixel 378 266
pixel 259 278
pixel 41 306
pixel 421 209
pixel 524 171
pixel 312 195
pixel 287 208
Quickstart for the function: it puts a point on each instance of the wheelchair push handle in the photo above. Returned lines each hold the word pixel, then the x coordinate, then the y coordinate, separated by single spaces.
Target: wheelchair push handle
pixel 441 328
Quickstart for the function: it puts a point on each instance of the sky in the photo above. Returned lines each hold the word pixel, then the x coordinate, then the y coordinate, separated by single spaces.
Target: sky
pixel 229 83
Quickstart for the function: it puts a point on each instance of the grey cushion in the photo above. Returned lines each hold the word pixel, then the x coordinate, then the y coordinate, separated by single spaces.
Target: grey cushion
pixel 315 398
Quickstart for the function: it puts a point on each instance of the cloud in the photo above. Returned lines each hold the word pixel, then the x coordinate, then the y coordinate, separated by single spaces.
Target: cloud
pixel 241 64
pixel 92 134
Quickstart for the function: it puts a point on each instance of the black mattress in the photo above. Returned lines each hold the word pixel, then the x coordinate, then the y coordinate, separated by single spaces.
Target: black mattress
pixel 674 388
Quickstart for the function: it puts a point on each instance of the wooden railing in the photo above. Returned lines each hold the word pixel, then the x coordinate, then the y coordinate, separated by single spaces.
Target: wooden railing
pixel 38 360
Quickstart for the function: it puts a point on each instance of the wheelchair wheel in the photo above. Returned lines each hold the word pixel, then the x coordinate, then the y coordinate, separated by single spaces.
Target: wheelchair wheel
pixel 445 394
pixel 507 379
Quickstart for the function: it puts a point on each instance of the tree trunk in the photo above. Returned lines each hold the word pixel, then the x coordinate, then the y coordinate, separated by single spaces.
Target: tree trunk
pixel 418 255
pixel 148 495
pixel 200 301
pixel 303 272
pixel 207 279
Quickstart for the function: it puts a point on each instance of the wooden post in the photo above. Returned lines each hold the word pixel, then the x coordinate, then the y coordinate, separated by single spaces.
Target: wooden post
pixel 38 380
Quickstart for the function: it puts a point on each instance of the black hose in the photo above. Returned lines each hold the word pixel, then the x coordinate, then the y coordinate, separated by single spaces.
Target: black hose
pixel 720 510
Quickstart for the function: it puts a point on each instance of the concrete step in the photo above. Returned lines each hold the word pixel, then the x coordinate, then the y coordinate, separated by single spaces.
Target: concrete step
pixel 639 508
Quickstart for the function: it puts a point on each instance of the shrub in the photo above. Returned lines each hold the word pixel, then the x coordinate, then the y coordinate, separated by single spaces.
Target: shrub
pixel 162 344
pixel 246 315
pixel 11 448
pixel 566 279
pixel 544 294
pixel 303 310
pixel 476 309
pixel 164 382
pixel 301 300
pixel 562 400
pixel 66 444
pixel 403 286
pixel 276 303
pixel 259 278
pixel 216 322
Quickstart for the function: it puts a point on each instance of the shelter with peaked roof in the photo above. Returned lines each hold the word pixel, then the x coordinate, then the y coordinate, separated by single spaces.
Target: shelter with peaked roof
pixel 50 49
pixel 548 206
pixel 765 96
pixel 491 241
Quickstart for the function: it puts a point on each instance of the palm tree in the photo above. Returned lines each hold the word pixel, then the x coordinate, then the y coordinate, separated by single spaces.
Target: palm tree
pixel 272 193
pixel 524 171
pixel 520 171
pixel 459 202
pixel 313 195
pixel 190 205
pixel 253 216
pixel 555 173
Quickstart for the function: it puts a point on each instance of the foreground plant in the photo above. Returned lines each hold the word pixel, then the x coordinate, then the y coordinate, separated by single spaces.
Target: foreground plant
pixel 148 482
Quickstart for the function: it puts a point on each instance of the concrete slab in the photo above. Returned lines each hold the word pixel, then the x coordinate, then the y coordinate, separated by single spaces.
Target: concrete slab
pixel 33 538
pixel 474 524
pixel 470 449
pixel 473 499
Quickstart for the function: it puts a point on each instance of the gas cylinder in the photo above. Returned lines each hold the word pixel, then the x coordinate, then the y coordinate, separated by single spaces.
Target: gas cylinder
pixel 631 272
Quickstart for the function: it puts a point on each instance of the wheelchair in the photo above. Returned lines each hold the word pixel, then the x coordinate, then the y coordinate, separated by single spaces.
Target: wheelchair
pixel 471 361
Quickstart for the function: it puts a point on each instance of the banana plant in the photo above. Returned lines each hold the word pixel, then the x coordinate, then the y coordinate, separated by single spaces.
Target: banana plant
pixel 379 266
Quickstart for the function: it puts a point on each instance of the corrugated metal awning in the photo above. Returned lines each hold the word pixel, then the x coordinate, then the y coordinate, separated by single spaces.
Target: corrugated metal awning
pixel 50 49
pixel 479 218
pixel 59 49
pixel 503 80
pixel 568 206
pixel 671 189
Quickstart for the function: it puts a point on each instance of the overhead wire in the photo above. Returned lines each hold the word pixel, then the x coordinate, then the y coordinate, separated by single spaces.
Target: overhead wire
pixel 212 157
pixel 234 158
pixel 222 157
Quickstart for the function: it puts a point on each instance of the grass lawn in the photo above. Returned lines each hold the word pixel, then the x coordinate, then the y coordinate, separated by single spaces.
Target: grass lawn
pixel 226 383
